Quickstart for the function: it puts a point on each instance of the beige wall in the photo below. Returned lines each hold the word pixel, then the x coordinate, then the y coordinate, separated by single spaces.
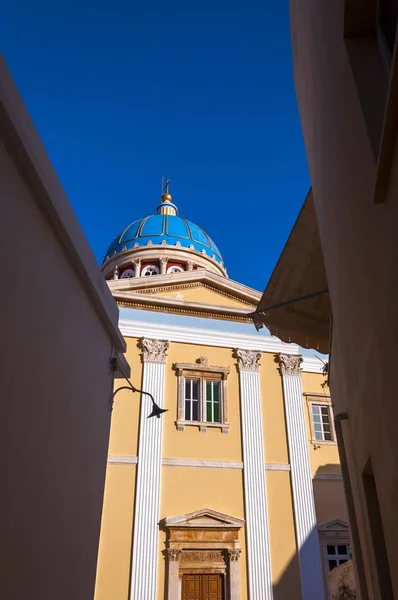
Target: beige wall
pixel 340 85
pixel 58 333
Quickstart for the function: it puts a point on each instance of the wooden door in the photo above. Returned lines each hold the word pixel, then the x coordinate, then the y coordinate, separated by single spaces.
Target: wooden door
pixel 212 587
pixel 202 587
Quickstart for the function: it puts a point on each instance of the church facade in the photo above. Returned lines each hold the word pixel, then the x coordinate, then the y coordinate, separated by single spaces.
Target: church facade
pixel 236 491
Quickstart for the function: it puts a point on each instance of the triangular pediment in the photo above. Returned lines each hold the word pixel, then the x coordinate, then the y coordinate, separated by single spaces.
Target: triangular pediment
pixel 203 518
pixel 195 292
pixel 199 292
pixel 335 525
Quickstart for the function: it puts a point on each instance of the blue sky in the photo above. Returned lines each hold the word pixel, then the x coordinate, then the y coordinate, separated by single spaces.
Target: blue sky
pixel 125 92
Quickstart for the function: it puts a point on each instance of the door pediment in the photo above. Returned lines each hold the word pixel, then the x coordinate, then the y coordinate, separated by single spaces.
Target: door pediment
pixel 204 518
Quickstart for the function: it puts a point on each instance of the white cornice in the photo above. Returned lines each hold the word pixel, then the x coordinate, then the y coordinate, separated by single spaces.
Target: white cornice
pixel 222 339
pixel 311 365
pixel 205 337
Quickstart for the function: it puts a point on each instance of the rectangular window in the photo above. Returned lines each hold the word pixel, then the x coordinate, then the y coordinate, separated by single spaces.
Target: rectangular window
pixel 388 17
pixel 192 399
pixel 322 422
pixel 212 398
pixel 202 396
pixel 213 409
pixel 337 554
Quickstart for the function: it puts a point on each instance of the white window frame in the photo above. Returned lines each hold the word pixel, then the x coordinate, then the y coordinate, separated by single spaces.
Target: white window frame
pixel 337 557
pixel 204 373
pixel 318 410
pixel 206 400
pixel 320 400
pixel 192 400
pixel 202 400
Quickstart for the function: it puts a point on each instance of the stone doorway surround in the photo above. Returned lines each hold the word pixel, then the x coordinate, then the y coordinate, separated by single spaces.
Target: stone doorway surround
pixel 203 541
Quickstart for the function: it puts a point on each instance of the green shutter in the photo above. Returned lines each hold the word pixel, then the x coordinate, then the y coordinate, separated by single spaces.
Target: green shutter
pixel 209 418
pixel 216 401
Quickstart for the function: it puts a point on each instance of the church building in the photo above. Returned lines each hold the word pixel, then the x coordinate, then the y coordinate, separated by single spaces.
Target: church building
pixel 236 491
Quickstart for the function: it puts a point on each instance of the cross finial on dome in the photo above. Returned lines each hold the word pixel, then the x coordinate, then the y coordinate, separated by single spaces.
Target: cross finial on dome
pixel 167 207
pixel 166 197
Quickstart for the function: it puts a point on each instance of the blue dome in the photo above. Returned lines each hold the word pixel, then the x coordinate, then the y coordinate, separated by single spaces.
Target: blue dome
pixel 164 228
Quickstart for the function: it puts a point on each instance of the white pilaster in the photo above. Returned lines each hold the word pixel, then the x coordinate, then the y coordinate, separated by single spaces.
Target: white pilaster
pixel 309 555
pixel 145 538
pixel 257 534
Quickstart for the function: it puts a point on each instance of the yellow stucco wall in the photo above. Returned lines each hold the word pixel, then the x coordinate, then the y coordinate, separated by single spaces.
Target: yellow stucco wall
pixel 186 489
pixel 330 501
pixel 126 408
pixel 190 443
pixel 284 564
pixel 113 570
pixel 325 458
pixel 274 426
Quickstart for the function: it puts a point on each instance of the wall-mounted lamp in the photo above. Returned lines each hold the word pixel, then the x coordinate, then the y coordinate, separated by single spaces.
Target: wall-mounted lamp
pixel 156 410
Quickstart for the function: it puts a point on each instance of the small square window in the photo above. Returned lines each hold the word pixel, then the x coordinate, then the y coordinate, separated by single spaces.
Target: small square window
pixel 337 554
